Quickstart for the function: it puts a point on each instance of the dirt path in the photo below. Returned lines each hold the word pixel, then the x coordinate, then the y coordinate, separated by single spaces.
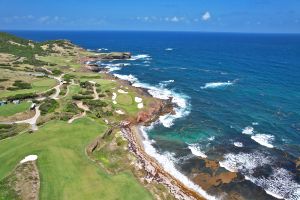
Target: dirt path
pixel 32 121
pixel 57 88
pixel 83 107
pixel 96 96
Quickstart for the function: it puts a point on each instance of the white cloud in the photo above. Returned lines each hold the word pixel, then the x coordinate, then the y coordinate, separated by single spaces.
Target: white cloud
pixel 206 16
pixel 43 19
pixel 174 19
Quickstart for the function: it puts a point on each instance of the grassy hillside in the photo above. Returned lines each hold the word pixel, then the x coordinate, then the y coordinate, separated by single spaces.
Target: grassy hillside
pixel 65 170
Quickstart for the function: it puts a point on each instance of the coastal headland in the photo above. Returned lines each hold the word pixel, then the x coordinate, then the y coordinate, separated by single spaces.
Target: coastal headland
pixel 80 123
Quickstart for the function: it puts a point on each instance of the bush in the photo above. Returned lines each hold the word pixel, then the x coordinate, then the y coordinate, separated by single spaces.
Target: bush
pixel 68 77
pixel 80 97
pixel 56 72
pixel 3 79
pixel 22 85
pixel 50 92
pixel 95 104
pixel 48 106
pixel 22 96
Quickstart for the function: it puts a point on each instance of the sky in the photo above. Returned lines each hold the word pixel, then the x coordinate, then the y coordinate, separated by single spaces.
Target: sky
pixel 259 16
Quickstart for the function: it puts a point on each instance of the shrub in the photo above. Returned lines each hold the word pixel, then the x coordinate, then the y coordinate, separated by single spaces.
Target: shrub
pixel 80 97
pixel 48 106
pixel 22 85
pixel 22 96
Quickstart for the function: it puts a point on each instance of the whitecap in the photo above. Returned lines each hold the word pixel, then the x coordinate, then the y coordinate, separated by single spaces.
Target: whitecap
pixel 182 107
pixel 195 149
pixel 129 77
pixel 217 84
pixel 238 144
pixel 263 139
pixel 248 130
pixel 280 184
pixel 255 123
pixel 167 162
pixel 140 57
pixel 244 162
pixel 169 49
pixel 211 138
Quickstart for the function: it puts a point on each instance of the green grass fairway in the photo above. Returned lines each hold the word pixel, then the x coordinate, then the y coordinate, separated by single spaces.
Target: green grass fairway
pixel 60 60
pixel 38 85
pixel 65 170
pixel 11 109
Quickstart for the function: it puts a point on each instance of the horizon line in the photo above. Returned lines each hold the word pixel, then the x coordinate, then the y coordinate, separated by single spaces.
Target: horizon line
pixel 178 31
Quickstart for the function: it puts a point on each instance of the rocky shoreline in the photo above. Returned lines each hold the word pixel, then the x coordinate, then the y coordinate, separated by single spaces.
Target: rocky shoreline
pixel 154 171
pixel 130 131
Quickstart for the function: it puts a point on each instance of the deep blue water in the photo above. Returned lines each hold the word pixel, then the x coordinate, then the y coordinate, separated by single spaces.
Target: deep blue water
pixel 259 76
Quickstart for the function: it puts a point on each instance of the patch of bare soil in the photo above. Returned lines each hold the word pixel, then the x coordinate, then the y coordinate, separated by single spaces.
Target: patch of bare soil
pixel 24 181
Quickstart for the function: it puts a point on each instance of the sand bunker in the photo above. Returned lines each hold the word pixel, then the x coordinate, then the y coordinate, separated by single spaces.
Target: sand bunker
pixel 29 158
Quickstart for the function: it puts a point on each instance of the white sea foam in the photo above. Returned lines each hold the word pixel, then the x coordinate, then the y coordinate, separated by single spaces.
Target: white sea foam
pixel 166 162
pixel 248 130
pixel 181 109
pixel 238 144
pixel 115 67
pixel 280 184
pixel 140 57
pixel 169 49
pixel 244 162
pixel 211 138
pixel 29 158
pixel 255 123
pixel 129 77
pixel 264 139
pixel 195 149
pixel 216 85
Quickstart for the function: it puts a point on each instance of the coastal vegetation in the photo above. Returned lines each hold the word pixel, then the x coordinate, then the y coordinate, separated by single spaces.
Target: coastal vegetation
pixel 64 108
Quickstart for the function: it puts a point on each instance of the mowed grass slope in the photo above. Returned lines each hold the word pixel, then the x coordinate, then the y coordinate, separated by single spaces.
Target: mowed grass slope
pixel 38 85
pixel 11 109
pixel 66 172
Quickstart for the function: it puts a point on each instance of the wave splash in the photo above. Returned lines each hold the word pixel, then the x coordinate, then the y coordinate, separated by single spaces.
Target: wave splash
pixel 167 162
pixel 195 149
pixel 280 184
pixel 182 107
pixel 264 139
pixel 217 84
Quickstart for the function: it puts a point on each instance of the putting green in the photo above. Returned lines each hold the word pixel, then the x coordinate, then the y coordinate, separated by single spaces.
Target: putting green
pixel 65 170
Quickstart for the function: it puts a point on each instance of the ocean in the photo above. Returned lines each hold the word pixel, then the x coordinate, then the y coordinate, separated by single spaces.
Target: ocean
pixel 237 100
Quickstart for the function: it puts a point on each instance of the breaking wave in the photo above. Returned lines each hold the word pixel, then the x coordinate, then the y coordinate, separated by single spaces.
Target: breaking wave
pixel 195 149
pixel 140 57
pixel 248 130
pixel 264 139
pixel 182 107
pixel 280 184
pixel 217 85
pixel 166 160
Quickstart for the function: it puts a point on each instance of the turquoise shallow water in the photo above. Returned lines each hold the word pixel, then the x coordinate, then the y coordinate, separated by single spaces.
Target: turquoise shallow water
pixel 238 98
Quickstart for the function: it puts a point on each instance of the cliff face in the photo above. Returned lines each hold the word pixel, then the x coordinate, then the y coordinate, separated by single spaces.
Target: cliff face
pixel 156 109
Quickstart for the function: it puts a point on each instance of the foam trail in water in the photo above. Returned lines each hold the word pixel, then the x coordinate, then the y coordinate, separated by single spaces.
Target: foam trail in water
pixel 217 84
pixel 166 162
pixel 140 57
pixel 248 130
pixel 195 149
